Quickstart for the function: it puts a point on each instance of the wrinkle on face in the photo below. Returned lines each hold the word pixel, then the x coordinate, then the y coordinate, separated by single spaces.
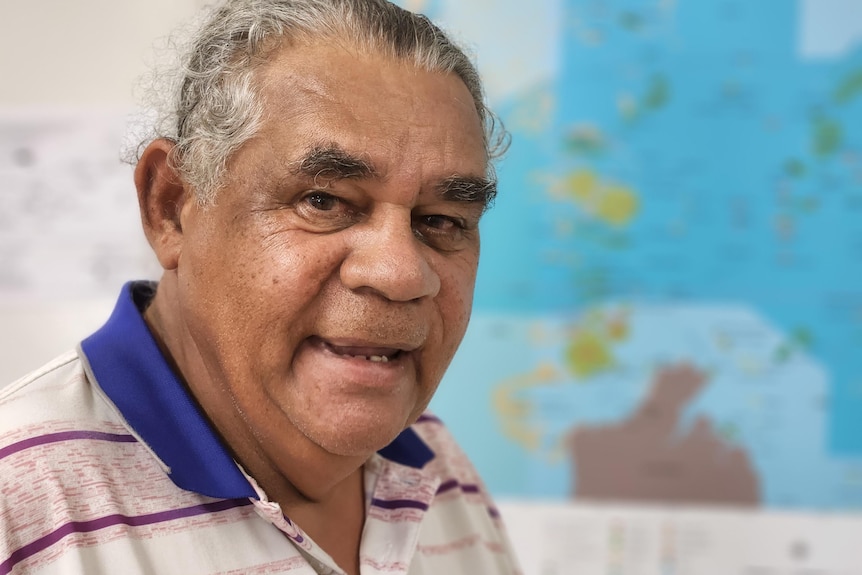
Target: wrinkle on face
pixel 260 286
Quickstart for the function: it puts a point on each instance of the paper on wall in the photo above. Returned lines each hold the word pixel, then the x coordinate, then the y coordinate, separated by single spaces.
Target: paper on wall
pixel 69 223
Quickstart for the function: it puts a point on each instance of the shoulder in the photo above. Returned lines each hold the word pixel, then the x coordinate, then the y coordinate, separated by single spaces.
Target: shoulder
pixel 459 479
pixel 450 461
pixel 464 526
pixel 58 397
pixel 49 421
pixel 59 390
pixel 53 426
pixel 72 474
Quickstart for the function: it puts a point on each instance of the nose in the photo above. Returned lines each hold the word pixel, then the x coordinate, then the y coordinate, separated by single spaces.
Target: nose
pixel 387 258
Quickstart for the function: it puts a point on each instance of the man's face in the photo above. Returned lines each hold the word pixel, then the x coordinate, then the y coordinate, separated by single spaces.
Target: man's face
pixel 330 285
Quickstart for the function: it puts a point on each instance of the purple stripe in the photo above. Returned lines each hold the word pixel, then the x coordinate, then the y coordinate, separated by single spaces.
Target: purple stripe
pixel 452 484
pixel 95 524
pixel 425 418
pixel 447 486
pixel 399 504
pixel 64 436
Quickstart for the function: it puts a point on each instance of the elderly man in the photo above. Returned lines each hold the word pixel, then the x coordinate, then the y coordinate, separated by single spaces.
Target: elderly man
pixel 315 209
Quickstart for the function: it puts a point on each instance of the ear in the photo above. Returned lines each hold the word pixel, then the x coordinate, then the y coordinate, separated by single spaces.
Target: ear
pixel 161 198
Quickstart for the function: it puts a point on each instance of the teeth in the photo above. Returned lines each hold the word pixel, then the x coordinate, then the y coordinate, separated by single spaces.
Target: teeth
pixel 374 358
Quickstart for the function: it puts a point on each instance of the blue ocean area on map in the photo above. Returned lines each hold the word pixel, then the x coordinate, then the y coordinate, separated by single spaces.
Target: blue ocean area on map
pixel 670 286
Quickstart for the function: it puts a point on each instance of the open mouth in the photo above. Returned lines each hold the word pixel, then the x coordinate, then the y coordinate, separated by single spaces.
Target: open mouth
pixel 368 353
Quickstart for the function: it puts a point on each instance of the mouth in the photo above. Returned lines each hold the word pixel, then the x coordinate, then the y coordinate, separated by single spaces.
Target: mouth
pixel 359 350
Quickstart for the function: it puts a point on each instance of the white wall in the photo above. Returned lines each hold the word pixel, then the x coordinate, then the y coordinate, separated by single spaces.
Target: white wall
pixel 71 56
pixel 80 52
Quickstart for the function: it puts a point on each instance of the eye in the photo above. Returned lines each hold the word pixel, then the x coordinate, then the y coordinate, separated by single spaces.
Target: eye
pixel 326 212
pixel 322 201
pixel 441 223
pixel 444 233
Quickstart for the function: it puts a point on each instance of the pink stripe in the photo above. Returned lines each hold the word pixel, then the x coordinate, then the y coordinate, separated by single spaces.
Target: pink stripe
pixel 64 436
pixel 95 524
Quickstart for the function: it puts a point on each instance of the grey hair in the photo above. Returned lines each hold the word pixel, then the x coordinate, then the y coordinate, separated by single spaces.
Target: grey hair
pixel 215 107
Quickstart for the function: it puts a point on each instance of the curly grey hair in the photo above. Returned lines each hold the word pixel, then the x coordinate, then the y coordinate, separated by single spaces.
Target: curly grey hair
pixel 216 109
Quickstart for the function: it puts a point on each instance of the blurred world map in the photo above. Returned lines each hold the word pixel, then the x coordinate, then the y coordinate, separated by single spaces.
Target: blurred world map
pixel 668 307
pixel 669 302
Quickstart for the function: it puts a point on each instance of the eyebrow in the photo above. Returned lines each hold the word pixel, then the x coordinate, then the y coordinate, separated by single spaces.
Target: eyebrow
pixel 468 189
pixel 331 162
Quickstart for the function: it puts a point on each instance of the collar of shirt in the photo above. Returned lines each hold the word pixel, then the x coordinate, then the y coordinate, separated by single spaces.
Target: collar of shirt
pixel 129 367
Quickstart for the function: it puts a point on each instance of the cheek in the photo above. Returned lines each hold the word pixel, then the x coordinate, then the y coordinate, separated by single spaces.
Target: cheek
pixel 274 268
pixel 240 286
pixel 292 275
pixel 456 299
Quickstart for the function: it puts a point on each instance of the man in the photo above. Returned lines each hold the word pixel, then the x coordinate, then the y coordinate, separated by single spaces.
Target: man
pixel 315 210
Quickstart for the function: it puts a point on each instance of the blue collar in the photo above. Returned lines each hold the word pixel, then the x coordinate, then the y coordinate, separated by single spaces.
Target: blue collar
pixel 130 368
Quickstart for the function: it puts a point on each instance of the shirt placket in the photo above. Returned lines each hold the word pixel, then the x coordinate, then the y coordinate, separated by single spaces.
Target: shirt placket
pixel 318 561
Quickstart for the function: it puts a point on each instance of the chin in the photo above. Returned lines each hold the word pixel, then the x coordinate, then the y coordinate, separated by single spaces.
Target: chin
pixel 358 445
pixel 352 436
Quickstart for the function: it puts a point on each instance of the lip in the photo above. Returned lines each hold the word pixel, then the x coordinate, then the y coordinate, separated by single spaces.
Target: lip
pixel 349 348
pixel 371 354
pixel 339 376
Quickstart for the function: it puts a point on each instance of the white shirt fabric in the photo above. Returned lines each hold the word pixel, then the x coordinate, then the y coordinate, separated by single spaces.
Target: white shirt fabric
pixel 108 466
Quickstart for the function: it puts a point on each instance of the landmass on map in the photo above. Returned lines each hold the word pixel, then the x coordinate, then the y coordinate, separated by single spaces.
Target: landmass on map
pixel 649 458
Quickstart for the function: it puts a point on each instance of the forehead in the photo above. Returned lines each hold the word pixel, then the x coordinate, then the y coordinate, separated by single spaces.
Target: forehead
pixel 387 110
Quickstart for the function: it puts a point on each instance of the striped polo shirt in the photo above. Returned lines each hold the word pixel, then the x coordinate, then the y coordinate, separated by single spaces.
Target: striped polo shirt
pixel 107 466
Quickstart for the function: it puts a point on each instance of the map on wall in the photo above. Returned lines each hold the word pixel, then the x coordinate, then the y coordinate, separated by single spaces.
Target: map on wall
pixel 669 305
